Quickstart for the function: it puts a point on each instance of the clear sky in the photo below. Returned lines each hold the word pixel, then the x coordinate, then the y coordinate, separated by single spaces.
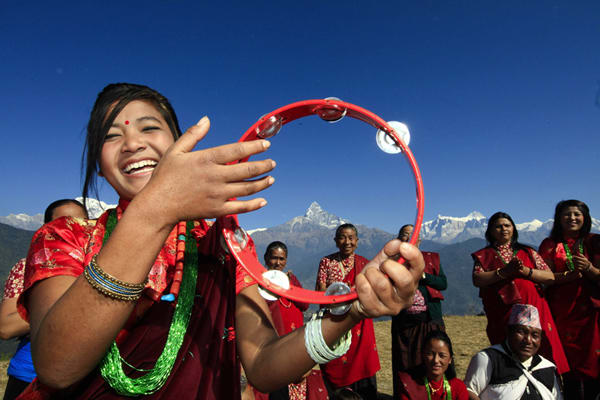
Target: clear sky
pixel 502 98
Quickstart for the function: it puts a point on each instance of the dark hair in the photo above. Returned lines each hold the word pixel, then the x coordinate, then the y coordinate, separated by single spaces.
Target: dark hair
pixel 345 393
pixel 109 103
pixel 340 228
pixel 276 245
pixel 441 335
pixel 59 203
pixel 488 232
pixel 557 234
pixel 402 228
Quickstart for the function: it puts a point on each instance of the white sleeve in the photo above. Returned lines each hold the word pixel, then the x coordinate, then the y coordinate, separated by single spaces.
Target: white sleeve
pixel 478 373
pixel 556 389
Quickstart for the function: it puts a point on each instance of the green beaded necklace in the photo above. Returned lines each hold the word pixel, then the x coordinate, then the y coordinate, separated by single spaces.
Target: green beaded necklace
pixel 570 263
pixel 111 366
pixel 446 388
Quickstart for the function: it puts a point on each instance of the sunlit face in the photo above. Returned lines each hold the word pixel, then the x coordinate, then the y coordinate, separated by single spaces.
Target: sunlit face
pixel 135 143
pixel 524 341
pixel 436 357
pixel 68 210
pixel 502 231
pixel 276 259
pixel 571 220
pixel 346 241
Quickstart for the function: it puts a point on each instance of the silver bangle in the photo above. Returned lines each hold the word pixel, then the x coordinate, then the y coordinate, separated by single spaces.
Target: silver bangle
pixel 315 344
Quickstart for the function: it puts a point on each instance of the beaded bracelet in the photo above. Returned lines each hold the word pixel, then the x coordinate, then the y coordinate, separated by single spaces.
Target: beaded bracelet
pixel 110 286
pixel 315 344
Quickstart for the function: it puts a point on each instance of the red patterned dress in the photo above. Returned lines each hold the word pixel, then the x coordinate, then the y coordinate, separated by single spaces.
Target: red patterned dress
pixel 498 299
pixel 207 366
pixel 576 309
pixel 361 361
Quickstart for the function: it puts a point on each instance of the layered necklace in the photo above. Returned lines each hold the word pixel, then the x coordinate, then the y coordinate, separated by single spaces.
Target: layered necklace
pixel 570 263
pixel 186 273
pixel 431 390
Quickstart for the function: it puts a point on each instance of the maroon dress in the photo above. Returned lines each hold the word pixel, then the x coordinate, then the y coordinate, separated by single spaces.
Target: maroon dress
pixel 576 309
pixel 207 366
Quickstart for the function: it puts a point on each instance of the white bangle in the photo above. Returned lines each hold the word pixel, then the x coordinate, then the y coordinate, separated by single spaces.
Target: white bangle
pixel 315 344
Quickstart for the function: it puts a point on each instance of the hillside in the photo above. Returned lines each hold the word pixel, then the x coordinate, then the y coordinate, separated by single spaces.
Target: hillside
pixel 14 244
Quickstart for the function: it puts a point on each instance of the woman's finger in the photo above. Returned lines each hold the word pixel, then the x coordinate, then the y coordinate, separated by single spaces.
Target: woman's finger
pixel 192 136
pixel 247 188
pixel 247 170
pixel 236 151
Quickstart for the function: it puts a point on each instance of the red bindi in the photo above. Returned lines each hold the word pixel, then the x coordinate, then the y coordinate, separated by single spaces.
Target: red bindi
pixel 126 122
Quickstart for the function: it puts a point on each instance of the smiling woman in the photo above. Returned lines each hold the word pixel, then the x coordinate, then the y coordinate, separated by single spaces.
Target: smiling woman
pixel 146 300
pixel 508 272
pixel 575 297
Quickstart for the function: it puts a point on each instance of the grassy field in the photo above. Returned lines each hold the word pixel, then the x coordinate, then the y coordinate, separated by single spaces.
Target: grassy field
pixel 467 334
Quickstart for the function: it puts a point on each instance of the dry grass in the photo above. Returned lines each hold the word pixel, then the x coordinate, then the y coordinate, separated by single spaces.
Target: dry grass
pixel 3 376
pixel 467 334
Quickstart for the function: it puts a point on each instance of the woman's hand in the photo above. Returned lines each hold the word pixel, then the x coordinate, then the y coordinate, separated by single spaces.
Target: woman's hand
pixel 386 287
pixel 189 184
pixel 581 262
pixel 514 269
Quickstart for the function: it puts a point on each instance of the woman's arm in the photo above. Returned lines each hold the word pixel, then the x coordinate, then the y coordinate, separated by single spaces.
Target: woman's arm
pixel 72 324
pixel 286 358
pixel 11 323
pixel 483 278
pixel 438 282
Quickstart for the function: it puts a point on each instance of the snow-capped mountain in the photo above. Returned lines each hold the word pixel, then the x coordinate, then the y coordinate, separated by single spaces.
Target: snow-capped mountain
pixel 448 230
pixel 454 229
pixel 315 215
pixel 33 222
pixel 23 221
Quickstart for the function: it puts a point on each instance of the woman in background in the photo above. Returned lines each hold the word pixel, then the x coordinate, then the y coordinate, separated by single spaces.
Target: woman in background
pixel 508 272
pixel 357 368
pixel 20 369
pixel 435 379
pixel 574 298
pixel 288 316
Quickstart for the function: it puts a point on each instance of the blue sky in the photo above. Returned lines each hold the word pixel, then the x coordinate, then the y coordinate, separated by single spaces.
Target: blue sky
pixel 501 97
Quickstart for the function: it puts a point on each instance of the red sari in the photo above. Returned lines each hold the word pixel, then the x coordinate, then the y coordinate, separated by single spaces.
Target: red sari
pixel 287 315
pixel 498 299
pixel 361 361
pixel 206 366
pixel 576 310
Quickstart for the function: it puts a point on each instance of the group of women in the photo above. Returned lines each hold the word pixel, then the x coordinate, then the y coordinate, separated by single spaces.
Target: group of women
pixel 562 280
pixel 147 300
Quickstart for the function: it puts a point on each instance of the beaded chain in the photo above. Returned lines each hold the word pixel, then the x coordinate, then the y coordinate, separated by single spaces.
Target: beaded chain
pixel 446 389
pixel 570 263
pixel 111 366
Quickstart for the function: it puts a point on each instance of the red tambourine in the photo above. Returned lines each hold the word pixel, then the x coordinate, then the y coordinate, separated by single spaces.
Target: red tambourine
pixel 330 110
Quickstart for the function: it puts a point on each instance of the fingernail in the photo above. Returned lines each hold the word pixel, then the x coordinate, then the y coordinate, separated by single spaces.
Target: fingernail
pixel 270 180
pixel 273 164
pixel 263 203
pixel 203 121
pixel 266 144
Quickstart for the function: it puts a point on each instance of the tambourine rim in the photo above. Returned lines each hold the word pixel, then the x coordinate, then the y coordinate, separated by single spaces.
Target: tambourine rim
pixel 256 270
